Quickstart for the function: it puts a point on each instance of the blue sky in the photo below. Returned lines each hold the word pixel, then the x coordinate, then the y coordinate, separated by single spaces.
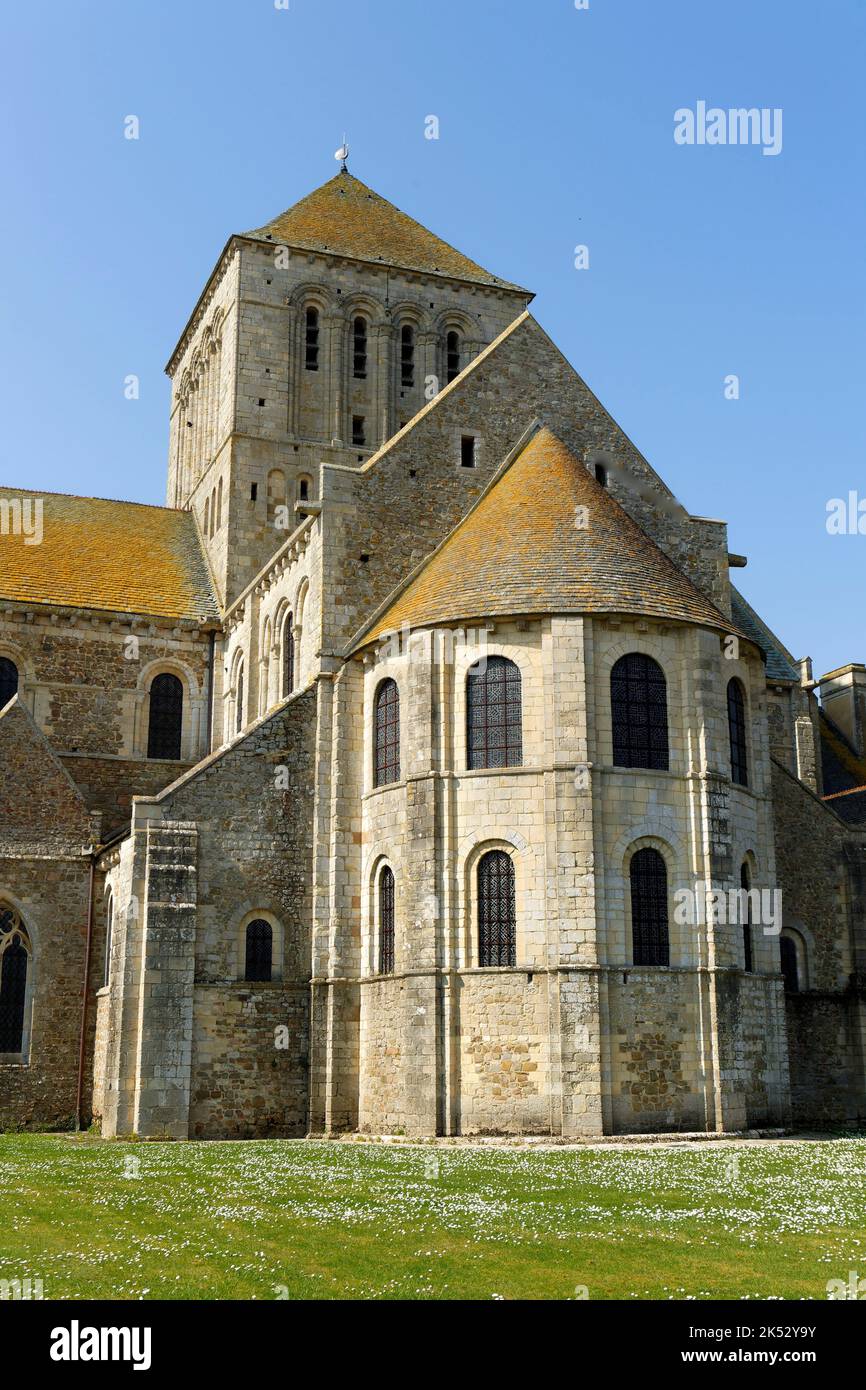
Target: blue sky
pixel 556 129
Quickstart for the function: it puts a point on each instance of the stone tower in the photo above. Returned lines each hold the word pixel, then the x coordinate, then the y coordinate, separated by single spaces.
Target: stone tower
pixel 317 337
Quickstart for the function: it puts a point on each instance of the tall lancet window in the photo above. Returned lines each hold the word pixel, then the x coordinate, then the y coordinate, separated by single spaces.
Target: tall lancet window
pixel 649 908
pixel 14 967
pixel 407 355
pixel 311 340
pixel 497 912
pixel 386 921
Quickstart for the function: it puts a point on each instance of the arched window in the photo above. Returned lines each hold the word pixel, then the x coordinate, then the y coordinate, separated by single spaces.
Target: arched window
pixel 737 733
pixel 109 929
pixel 407 355
pixel 497 916
pixel 303 489
pixel 14 964
pixel 452 355
pixel 311 340
pixel 359 348
pixel 386 758
pixel 288 645
pixel 213 511
pixel 259 951
pixel 639 710
pixel 206 517
pixel 386 921
pixel 219 509
pixel 166 717
pixel 789 958
pixel 745 884
pixel 239 698
pixel 494 735
pixel 601 474
pixel 649 908
pixel 8 680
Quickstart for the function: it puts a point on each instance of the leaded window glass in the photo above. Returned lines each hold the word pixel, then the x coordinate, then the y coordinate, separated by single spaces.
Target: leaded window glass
pixel 497 917
pixel 494 734
pixel 737 733
pixel 387 734
pixel 638 697
pixel 386 921
pixel 165 722
pixel 649 908
pixel 14 963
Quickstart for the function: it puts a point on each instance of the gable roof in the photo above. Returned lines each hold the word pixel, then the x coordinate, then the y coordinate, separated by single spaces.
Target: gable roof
pixel 122 557
pixel 346 218
pixel 520 551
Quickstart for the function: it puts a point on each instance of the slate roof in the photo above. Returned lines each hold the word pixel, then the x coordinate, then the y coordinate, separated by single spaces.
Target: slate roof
pixel 780 664
pixel 520 551
pixel 121 557
pixel 346 218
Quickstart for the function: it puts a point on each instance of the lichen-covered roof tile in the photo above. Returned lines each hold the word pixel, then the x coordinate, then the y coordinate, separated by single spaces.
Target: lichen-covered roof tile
pixel 122 557
pixel 346 218
pixel 522 550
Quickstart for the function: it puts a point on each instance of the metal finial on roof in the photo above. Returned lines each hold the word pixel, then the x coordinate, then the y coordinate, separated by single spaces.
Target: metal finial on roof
pixel 343 154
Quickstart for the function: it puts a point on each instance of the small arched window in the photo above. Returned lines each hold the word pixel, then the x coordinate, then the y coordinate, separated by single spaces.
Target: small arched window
pixel 109 930
pixel 239 697
pixel 311 340
pixel 745 885
pixel 494 733
pixel 386 759
pixel 303 489
pixel 649 908
pixel 206 517
pixel 259 951
pixel 359 348
pixel 386 921
pixel 452 355
pixel 737 733
pixel 219 508
pixel 407 355
pixel 8 680
pixel 789 958
pixel 165 723
pixel 14 964
pixel 601 474
pixel 288 645
pixel 497 914
pixel 639 711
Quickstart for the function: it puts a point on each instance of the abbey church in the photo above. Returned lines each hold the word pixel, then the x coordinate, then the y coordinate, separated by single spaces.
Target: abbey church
pixel 418 768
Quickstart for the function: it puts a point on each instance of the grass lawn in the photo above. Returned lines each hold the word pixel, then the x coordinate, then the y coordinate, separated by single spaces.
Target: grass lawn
pixel 340 1220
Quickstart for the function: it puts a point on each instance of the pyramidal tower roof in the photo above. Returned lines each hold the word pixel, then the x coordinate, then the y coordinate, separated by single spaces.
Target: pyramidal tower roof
pixel 545 537
pixel 346 218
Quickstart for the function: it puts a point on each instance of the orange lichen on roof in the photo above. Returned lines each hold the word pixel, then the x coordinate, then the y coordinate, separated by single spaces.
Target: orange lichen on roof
pixel 346 218
pixel 545 537
pixel 122 557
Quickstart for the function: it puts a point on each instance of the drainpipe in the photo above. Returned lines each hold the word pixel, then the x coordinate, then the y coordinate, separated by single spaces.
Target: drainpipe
pixel 87 952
